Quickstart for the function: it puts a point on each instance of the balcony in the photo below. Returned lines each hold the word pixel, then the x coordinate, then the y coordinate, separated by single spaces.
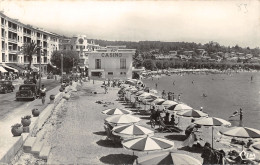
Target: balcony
pixel 13 51
pixel 38 38
pixel 26 34
pixel 12 40
pixel 3 49
pixel 3 25
pixel 12 29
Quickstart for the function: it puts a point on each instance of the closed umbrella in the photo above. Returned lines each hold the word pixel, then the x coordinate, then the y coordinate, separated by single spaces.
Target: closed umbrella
pixel 192 113
pixel 212 121
pixel 132 130
pixel 180 107
pixel 122 119
pixel 149 143
pixel 242 132
pixel 167 158
pixel 116 111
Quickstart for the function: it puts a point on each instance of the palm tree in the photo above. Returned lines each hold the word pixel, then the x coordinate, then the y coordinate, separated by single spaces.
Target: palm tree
pixel 29 49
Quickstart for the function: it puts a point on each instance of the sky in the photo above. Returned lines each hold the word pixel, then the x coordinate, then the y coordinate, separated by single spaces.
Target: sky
pixel 226 22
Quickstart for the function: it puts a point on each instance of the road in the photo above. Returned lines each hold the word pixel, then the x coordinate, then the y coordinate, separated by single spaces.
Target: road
pixel 8 102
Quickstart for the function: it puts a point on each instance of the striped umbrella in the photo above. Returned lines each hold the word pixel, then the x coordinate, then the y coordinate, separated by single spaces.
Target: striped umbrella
pixel 212 121
pixel 132 130
pixel 116 111
pixel 256 146
pixel 148 143
pixel 192 113
pixel 139 93
pixel 158 101
pixel 169 103
pixel 122 119
pixel 180 107
pixel 167 158
pixel 242 132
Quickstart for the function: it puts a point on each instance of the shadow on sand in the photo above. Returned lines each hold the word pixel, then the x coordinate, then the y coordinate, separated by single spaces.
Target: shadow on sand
pixel 176 137
pixel 108 143
pixel 102 133
pixel 118 159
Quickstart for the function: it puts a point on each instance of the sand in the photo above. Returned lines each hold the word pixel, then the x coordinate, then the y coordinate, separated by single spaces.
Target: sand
pixel 76 131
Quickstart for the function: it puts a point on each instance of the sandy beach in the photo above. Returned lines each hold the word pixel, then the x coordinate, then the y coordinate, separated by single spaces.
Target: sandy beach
pixel 76 131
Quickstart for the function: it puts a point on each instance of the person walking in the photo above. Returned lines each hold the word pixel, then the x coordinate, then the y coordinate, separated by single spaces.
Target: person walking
pixel 43 94
pixel 105 89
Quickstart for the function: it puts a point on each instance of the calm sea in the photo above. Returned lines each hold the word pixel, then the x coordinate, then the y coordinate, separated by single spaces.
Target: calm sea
pixel 225 94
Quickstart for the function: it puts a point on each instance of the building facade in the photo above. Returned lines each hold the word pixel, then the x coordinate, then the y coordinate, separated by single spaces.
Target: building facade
pixel 112 62
pixel 82 46
pixel 15 34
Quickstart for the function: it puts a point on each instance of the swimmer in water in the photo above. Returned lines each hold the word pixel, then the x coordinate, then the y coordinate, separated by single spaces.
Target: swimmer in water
pixel 173 83
pixel 192 82
pixel 155 85
pixel 204 95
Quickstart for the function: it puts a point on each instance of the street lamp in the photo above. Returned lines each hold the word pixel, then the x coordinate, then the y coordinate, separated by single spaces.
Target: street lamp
pixel 40 68
pixel 61 66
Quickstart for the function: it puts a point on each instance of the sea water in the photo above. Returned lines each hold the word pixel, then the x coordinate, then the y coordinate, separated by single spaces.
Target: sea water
pixel 225 93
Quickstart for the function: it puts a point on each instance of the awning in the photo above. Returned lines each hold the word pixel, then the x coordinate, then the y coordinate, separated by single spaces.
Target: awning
pixel 15 70
pixel 20 67
pixel 2 69
pixel 97 70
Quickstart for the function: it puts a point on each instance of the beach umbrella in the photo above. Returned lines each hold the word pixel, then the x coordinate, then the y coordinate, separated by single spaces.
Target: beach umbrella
pixel 116 111
pixel 145 94
pixel 169 103
pixel 167 158
pixel 242 132
pixel 180 107
pixel 154 91
pixel 212 121
pixel 256 146
pixel 122 119
pixel 148 143
pixel 192 113
pixel 139 93
pixel 132 130
pixel 158 101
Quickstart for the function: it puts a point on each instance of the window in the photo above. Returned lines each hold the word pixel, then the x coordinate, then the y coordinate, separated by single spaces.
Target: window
pixel 76 46
pixel 110 73
pixel 98 63
pixel 122 63
pixel 122 73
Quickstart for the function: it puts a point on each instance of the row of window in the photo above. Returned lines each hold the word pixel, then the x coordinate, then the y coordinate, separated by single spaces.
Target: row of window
pixel 122 63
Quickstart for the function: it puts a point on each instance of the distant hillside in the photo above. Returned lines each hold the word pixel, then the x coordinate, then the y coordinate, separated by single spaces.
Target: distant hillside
pixel 165 47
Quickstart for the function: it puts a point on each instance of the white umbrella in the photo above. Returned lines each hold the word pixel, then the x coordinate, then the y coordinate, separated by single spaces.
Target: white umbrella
pixel 132 130
pixel 122 119
pixel 169 103
pixel 180 107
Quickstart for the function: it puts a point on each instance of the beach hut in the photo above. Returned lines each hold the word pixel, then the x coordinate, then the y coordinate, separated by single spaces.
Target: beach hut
pixel 167 158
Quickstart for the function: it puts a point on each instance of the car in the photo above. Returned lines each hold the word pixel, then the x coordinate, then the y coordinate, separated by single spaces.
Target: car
pixel 27 91
pixel 30 81
pixel 6 86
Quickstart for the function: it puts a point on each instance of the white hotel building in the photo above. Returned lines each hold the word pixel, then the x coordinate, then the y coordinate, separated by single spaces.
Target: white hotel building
pixel 15 34
pixel 112 62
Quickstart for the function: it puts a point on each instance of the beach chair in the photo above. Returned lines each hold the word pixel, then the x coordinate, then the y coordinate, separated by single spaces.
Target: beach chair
pixel 115 139
pixel 163 127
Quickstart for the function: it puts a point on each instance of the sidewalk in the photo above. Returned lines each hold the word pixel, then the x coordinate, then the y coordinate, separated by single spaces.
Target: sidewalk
pixel 7 141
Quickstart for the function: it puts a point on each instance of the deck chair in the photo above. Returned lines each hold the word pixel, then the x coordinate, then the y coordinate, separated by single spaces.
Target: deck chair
pixel 115 139
pixel 163 127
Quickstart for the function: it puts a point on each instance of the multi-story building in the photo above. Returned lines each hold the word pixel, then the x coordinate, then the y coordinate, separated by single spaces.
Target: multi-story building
pixel 112 62
pixel 15 34
pixel 81 45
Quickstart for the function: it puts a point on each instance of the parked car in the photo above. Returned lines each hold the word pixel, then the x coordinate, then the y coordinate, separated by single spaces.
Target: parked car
pixel 30 81
pixel 6 86
pixel 27 91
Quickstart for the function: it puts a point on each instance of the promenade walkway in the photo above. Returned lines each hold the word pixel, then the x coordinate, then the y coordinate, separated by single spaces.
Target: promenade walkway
pixel 6 139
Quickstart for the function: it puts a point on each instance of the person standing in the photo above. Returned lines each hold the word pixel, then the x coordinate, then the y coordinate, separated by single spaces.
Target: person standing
pixel 179 97
pixel 163 94
pixel 43 94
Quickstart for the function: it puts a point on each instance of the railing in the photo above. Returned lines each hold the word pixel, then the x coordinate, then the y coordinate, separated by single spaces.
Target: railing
pixel 3 25
pixel 3 49
pixel 12 29
pixel 12 51
pixel 27 34
pixel 12 40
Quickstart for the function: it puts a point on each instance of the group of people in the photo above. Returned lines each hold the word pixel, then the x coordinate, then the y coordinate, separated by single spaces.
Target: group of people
pixel 170 96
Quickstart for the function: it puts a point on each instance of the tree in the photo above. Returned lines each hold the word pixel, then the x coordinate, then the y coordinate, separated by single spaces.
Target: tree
pixel 29 49
pixel 68 56
pixel 149 64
